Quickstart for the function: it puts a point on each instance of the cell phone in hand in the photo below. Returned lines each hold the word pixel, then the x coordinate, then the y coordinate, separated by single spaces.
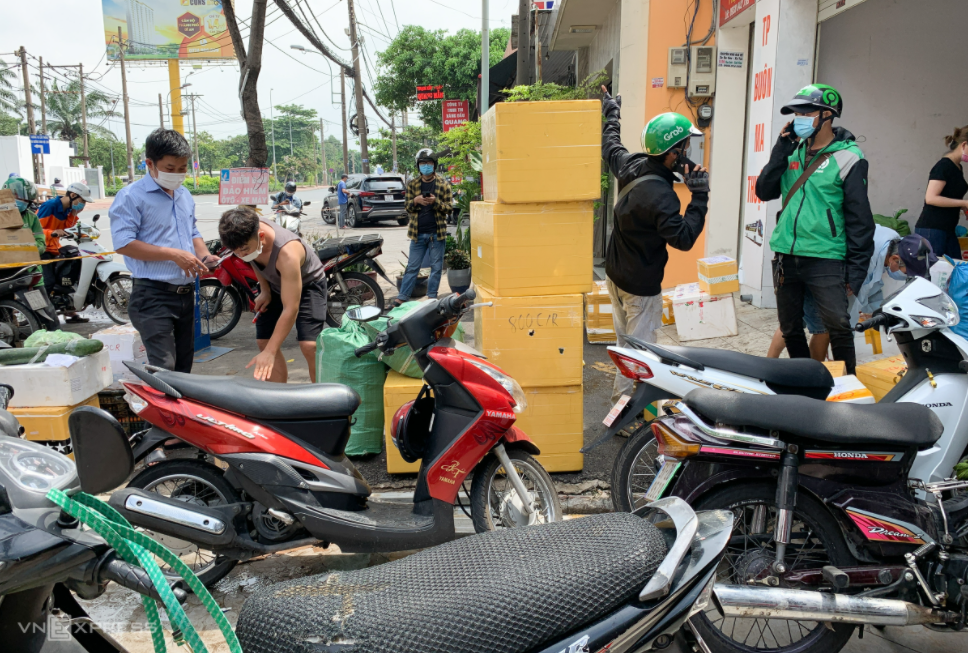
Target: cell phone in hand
pixel 426 194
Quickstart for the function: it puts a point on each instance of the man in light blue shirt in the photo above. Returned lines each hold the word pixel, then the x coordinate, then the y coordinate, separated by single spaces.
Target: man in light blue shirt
pixel 153 227
pixel 341 198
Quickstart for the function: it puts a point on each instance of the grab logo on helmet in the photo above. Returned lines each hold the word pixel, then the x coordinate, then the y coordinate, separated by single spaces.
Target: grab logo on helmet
pixel 675 132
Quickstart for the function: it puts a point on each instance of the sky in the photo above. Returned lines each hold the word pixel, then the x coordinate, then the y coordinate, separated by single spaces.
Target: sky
pixel 72 31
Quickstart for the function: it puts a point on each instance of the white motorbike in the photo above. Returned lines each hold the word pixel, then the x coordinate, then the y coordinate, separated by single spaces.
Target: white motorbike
pixel 288 216
pixel 918 316
pixel 103 282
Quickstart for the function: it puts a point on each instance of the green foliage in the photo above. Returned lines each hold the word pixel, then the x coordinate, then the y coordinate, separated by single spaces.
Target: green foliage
pixel 418 56
pixel 10 125
pixel 64 119
pixel 9 100
pixel 462 142
pixel 458 259
pixel 449 244
pixel 409 141
pixel 541 92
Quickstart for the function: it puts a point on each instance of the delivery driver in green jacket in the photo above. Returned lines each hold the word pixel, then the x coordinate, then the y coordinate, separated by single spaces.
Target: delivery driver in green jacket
pixel 824 236
pixel 647 218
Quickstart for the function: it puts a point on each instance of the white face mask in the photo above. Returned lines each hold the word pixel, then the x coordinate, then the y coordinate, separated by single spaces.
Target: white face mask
pixel 170 180
pixel 251 256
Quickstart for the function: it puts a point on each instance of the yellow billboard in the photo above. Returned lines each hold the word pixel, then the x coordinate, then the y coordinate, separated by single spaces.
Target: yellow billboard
pixel 167 29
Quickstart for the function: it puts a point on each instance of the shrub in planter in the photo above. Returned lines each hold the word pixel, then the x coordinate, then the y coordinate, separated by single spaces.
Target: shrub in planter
pixel 458 270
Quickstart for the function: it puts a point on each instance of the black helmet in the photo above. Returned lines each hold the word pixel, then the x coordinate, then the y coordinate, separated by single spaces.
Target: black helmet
pixel 425 154
pixel 816 97
pixel 290 187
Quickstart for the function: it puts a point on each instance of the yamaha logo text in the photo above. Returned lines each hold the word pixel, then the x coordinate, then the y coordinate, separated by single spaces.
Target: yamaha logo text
pixel 499 414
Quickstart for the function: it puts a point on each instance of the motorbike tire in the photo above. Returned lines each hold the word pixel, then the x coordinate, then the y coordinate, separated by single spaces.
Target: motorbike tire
pixel 117 286
pixel 809 513
pixel 352 221
pixel 629 481
pixel 482 492
pixel 362 286
pixel 16 322
pixel 194 471
pixel 229 313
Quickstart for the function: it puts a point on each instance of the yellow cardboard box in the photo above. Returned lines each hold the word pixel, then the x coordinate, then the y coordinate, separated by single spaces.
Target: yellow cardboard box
pixel 48 424
pixel 668 311
pixel 718 275
pixel 542 151
pixel 599 328
pixel 963 244
pixel 397 390
pixel 537 340
pixel 9 213
pixel 18 246
pixel 882 375
pixel 836 368
pixel 554 421
pixel 519 250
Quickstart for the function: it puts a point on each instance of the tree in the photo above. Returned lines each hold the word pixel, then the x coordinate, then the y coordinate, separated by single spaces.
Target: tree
pixel 9 125
pixel 250 65
pixel 418 56
pixel 409 140
pixel 64 119
pixel 8 74
pixel 100 150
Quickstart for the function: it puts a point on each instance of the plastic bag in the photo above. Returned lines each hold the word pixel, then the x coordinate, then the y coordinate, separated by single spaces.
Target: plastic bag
pixel 958 291
pixel 44 337
pixel 336 362
pixel 401 360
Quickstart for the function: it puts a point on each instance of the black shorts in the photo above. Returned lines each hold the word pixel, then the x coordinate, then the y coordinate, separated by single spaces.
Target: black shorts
pixel 310 320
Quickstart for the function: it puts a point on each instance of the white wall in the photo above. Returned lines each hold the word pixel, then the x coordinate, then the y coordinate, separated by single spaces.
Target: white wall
pixel 899 66
pixel 15 157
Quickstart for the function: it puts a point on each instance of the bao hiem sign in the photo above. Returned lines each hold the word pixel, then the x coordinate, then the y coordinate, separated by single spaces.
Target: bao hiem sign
pixel 429 93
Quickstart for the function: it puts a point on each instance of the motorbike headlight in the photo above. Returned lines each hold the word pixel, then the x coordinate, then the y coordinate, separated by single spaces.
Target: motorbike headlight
pixel 943 306
pixel 512 387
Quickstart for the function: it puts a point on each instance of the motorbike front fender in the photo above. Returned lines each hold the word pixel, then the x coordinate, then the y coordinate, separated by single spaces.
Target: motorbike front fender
pixel 644 395
pixel 107 269
pixel 518 439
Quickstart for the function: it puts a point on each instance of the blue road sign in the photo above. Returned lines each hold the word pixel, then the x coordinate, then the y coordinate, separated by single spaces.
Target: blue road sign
pixel 39 144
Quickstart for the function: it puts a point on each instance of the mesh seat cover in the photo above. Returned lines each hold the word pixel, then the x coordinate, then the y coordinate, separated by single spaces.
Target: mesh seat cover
pixel 506 592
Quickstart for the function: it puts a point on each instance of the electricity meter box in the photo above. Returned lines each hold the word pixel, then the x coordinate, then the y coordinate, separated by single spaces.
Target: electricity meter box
pixel 695 66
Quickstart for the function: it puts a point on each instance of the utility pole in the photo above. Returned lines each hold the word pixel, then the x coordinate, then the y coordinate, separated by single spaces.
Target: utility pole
pixel 272 121
pixel 129 151
pixel 31 126
pixel 393 130
pixel 290 135
pixel 342 88
pixel 43 100
pixel 360 116
pixel 485 61
pixel 537 44
pixel 195 163
pixel 524 43
pixel 161 111
pixel 80 77
pixel 322 149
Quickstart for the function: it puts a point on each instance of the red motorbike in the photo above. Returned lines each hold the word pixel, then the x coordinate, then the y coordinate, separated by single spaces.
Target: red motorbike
pixel 271 473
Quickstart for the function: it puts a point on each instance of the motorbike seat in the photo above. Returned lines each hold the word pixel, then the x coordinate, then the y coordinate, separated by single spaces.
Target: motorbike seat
pixel 801 418
pixel 784 376
pixel 333 247
pixel 510 590
pixel 264 400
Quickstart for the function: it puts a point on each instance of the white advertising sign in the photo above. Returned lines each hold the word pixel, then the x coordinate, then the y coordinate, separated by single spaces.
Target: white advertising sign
pixel 244 186
pixel 759 142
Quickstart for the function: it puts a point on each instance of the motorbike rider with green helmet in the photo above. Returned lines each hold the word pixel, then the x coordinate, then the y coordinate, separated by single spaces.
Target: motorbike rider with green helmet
pixel 647 218
pixel 824 237
pixel 25 196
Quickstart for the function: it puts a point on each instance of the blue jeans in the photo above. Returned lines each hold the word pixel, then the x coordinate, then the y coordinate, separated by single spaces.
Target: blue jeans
pixel 418 248
pixel 942 242
pixel 811 316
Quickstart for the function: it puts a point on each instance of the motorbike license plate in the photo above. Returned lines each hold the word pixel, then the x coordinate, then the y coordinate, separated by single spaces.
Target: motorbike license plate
pixel 36 299
pixel 661 480
pixel 616 410
pixel 388 198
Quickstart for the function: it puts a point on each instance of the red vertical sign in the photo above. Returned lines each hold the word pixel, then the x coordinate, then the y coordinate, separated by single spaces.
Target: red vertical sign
pixel 456 113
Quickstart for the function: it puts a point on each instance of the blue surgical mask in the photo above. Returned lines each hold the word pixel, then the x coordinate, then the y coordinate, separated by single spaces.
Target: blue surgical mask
pixel 803 126
pixel 78 207
pixel 899 275
pixel 426 169
pixel 22 206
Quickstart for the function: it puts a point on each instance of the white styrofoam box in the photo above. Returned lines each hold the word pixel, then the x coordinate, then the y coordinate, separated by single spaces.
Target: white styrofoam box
pixel 123 343
pixel 40 385
pixel 848 389
pixel 700 315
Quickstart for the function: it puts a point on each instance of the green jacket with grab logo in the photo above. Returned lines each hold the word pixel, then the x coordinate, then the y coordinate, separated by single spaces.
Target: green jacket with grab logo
pixel 829 216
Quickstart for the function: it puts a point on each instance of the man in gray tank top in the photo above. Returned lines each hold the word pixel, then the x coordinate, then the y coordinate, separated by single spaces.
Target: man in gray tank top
pixel 293 289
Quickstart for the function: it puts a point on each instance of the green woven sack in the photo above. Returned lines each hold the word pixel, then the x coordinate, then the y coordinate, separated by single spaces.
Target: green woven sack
pixel 336 362
pixel 894 222
pixel 401 361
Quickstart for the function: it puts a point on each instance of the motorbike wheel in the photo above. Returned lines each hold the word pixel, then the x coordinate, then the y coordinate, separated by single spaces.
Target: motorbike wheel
pixel 194 482
pixel 16 322
pixel 634 469
pixel 496 504
pixel 115 297
pixel 224 307
pixel 351 220
pixel 328 216
pixel 815 541
pixel 363 291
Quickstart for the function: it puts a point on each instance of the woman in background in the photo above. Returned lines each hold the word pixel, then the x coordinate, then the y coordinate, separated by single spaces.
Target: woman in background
pixel 944 200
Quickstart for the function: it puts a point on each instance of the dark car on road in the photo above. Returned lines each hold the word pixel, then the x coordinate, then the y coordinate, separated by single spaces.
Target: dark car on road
pixel 370 198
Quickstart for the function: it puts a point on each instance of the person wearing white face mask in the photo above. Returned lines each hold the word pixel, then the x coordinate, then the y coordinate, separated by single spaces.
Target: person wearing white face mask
pixel 56 215
pixel 292 284
pixel 153 227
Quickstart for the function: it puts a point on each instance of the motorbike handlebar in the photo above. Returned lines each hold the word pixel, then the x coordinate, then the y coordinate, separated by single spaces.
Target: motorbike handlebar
pixel 453 305
pixel 366 349
pixel 135 578
pixel 875 322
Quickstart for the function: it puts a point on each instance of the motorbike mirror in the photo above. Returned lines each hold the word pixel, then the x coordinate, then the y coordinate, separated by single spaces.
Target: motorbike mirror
pixel 306 203
pixel 97 216
pixel 363 313
pixel 332 189
pixel 101 450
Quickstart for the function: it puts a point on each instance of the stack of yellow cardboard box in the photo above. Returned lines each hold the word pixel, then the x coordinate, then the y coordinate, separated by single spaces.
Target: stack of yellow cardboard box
pixel 531 242
pixel 17 244
pixel 882 375
pixel 599 328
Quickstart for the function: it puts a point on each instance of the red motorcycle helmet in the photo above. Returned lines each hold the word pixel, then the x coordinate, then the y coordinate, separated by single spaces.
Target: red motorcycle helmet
pixel 410 428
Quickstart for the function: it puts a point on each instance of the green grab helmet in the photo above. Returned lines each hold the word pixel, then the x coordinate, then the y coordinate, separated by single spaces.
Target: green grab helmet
pixel 816 97
pixel 23 190
pixel 665 131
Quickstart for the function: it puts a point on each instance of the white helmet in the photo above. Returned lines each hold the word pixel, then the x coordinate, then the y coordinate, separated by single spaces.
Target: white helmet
pixel 81 190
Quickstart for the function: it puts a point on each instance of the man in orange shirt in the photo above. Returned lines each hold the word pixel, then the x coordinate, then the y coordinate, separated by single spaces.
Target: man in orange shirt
pixel 56 215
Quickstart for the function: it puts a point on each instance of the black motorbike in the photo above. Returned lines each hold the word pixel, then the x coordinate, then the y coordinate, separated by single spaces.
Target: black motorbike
pixel 347 261
pixel 45 557
pixel 23 307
